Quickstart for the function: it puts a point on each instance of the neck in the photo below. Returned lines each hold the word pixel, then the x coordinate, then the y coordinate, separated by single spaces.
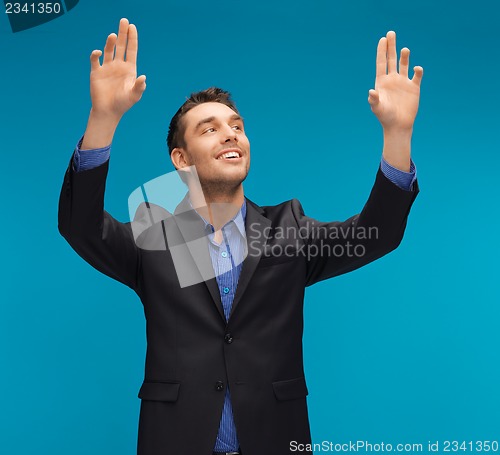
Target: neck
pixel 217 207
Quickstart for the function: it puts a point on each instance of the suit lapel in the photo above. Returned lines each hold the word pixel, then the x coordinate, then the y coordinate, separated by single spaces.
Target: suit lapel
pixel 256 227
pixel 192 230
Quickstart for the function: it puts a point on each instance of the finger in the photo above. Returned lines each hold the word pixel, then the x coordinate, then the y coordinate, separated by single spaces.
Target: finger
pixel 373 97
pixel 418 74
pixel 139 87
pixel 109 49
pixel 381 57
pixel 404 61
pixel 94 60
pixel 391 52
pixel 133 44
pixel 121 42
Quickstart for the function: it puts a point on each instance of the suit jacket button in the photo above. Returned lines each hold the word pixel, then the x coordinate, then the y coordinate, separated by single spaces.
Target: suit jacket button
pixel 219 385
pixel 228 338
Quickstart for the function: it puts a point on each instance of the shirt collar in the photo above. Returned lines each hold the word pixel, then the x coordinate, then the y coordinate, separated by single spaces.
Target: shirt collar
pixel 238 219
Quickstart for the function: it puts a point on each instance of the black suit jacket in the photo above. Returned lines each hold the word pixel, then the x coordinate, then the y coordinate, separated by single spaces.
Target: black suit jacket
pixel 192 353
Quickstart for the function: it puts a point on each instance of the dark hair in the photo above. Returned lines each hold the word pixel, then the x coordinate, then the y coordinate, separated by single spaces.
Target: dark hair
pixel 176 130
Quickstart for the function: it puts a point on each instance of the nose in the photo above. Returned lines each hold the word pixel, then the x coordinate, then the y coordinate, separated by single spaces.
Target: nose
pixel 230 134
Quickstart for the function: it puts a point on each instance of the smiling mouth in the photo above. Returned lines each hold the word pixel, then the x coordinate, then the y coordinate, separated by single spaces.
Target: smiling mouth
pixel 230 155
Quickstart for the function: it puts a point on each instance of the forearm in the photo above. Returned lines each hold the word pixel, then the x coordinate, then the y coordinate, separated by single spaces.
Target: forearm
pixel 93 233
pixel 340 247
pixel 397 148
pixel 100 130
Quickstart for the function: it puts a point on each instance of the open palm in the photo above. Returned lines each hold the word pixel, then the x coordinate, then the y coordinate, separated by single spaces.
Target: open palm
pixel 114 85
pixel 395 98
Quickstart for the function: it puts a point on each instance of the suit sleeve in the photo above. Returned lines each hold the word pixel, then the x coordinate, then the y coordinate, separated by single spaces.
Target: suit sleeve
pixel 338 247
pixel 105 243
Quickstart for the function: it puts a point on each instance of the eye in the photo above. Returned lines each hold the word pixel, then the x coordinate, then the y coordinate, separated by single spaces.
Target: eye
pixel 237 127
pixel 209 130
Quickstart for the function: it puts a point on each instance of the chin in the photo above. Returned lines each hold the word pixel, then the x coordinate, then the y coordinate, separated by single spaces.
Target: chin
pixel 227 181
pixel 233 174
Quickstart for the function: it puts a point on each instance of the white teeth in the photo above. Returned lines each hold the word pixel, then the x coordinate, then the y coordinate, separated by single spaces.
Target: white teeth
pixel 229 155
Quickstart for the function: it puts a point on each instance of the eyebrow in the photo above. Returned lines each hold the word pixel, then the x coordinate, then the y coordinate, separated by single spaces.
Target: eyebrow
pixel 212 118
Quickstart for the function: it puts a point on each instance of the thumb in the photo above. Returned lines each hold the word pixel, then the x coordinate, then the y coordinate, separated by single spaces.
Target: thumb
pixel 94 59
pixel 373 97
pixel 139 87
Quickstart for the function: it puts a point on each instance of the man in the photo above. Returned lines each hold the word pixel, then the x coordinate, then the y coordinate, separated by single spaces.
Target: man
pixel 224 370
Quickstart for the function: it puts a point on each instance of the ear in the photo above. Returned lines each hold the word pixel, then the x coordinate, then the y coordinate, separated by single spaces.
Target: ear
pixel 179 158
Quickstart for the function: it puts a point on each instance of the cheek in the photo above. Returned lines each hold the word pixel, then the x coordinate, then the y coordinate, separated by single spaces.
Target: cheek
pixel 203 162
pixel 198 154
pixel 247 142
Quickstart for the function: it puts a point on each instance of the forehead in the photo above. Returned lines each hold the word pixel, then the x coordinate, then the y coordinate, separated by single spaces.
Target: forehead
pixel 218 110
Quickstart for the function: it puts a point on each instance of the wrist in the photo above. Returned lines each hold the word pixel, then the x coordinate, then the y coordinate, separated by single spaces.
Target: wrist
pixel 398 133
pixel 100 130
pixel 106 119
pixel 397 148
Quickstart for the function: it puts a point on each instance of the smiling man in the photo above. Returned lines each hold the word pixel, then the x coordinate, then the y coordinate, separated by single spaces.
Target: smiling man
pixel 224 368
pixel 208 133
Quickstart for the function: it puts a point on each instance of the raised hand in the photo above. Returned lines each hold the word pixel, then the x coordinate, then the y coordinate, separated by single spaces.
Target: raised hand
pixel 395 98
pixel 114 85
pixel 395 101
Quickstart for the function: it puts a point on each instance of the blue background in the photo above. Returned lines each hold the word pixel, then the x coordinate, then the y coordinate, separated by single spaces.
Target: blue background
pixel 404 350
